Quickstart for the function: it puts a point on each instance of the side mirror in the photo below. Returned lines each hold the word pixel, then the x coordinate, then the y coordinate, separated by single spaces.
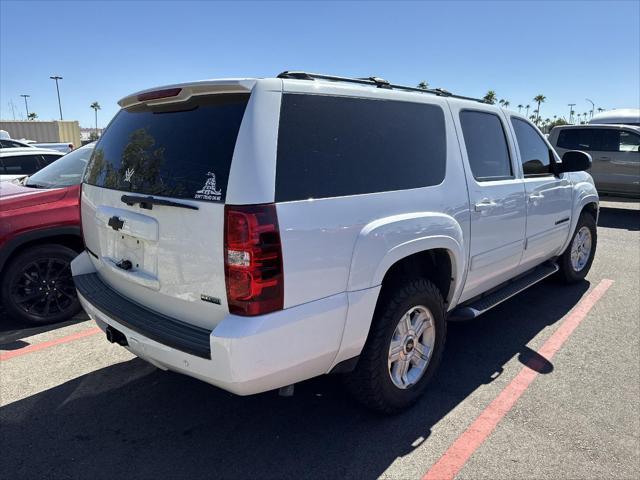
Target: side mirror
pixel 575 161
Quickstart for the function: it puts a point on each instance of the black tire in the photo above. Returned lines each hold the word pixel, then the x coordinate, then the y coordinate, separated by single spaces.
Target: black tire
pixel 370 383
pixel 568 273
pixel 26 297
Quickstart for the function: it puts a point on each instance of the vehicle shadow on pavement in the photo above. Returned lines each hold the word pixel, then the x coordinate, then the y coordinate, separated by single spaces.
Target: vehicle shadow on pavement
pixel 623 218
pixel 132 420
pixel 12 331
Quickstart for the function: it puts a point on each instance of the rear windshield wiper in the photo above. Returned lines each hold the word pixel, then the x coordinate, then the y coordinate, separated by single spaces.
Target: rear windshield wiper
pixel 148 202
pixel 35 185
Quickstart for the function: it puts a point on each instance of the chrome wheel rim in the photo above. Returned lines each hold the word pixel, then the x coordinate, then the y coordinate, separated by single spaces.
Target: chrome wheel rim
pixel 411 347
pixel 581 249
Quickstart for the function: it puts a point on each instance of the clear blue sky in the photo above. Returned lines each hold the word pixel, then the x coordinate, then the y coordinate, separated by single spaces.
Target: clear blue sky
pixel 567 51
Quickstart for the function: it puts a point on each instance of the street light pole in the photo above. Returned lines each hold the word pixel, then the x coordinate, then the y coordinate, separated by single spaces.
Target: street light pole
pixel 26 105
pixel 56 78
pixel 571 105
pixel 593 106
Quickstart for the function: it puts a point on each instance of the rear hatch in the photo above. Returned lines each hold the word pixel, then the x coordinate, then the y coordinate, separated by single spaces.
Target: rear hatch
pixel 153 201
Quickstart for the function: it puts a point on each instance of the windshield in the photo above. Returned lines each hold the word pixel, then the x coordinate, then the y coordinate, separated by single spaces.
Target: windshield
pixel 64 172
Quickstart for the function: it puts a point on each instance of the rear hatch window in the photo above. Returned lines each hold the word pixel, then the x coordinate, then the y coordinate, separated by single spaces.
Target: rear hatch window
pixel 179 150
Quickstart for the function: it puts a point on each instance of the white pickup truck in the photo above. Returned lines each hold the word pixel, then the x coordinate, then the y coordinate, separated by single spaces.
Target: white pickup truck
pixel 254 233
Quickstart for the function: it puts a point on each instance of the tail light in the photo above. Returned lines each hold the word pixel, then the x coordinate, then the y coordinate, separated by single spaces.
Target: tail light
pixel 253 259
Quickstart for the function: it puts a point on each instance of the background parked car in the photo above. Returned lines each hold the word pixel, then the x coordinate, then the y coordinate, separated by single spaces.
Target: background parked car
pixel 11 143
pixel 64 147
pixel 17 163
pixel 614 150
pixel 39 236
pixel 618 116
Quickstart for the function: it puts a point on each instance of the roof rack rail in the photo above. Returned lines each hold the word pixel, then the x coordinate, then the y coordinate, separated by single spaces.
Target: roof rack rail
pixel 374 82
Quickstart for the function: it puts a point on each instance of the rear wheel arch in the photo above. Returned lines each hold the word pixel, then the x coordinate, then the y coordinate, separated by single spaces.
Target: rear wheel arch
pixel 65 236
pixel 592 209
pixel 436 265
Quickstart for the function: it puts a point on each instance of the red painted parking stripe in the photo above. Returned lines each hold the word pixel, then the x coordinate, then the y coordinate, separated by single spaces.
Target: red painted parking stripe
pixel 466 444
pixel 51 343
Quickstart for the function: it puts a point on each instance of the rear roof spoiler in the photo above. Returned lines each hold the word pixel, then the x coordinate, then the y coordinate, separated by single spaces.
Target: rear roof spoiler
pixel 182 92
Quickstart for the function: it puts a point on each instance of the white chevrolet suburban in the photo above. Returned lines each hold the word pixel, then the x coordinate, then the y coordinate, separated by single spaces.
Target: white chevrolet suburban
pixel 255 233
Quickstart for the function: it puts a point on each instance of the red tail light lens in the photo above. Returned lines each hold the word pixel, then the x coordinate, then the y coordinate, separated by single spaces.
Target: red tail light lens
pixel 253 259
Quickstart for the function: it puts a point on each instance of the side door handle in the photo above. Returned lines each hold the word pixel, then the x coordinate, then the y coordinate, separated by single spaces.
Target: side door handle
pixel 605 159
pixel 485 204
pixel 534 197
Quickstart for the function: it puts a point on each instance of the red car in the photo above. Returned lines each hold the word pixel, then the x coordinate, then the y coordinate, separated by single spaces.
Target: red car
pixel 39 236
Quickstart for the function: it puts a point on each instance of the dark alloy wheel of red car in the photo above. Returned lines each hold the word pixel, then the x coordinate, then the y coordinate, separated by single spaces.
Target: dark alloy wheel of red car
pixel 38 286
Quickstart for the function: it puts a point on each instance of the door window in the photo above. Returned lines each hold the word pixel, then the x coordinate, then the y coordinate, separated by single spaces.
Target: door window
pixel 629 142
pixel 21 165
pixel 534 152
pixel 486 145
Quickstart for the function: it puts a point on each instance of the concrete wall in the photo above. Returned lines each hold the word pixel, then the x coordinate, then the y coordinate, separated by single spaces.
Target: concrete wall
pixel 56 131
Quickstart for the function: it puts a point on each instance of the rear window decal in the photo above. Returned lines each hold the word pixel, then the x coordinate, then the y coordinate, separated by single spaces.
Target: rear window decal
pixel 209 191
pixel 128 174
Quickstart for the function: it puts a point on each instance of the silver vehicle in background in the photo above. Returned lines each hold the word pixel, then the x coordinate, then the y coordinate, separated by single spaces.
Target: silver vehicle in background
pixel 614 150
pixel 617 116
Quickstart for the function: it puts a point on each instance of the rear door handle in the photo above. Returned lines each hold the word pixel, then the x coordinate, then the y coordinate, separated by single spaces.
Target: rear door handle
pixel 485 204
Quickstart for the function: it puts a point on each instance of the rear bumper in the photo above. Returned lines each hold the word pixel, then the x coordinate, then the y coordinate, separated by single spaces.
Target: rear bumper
pixel 247 354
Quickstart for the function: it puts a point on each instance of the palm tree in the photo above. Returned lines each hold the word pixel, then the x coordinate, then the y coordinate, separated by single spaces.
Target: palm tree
pixel 506 104
pixel 600 109
pixel 571 114
pixel 32 116
pixel 527 107
pixel 501 101
pixel 520 107
pixel 532 118
pixel 490 97
pixel 96 106
pixel 578 117
pixel 423 85
pixel 540 99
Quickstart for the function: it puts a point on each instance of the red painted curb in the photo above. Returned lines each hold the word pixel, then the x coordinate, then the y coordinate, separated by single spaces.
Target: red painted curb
pixel 457 455
pixel 41 346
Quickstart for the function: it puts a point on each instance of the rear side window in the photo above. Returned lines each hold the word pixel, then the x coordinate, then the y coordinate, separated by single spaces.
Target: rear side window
pixel 534 152
pixel 629 142
pixel 21 165
pixel 578 139
pixel 486 145
pixel 335 146
pixel 181 150
pixel 598 139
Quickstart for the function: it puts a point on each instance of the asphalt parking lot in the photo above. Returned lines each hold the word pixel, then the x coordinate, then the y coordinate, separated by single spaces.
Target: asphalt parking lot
pixel 73 405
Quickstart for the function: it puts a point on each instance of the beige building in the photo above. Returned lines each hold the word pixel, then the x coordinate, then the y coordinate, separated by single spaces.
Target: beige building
pixel 55 131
